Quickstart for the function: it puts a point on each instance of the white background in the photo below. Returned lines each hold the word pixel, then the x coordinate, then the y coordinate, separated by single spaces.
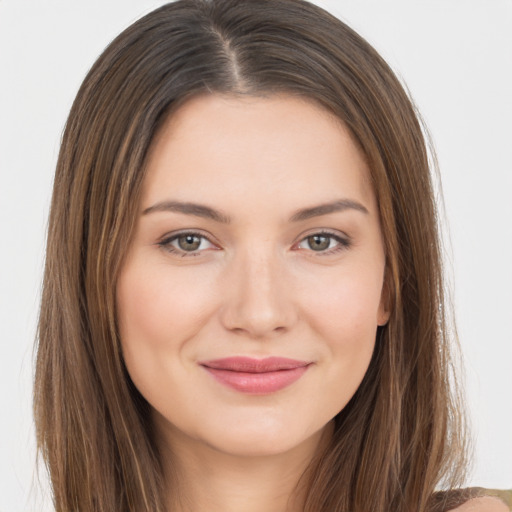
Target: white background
pixel 456 58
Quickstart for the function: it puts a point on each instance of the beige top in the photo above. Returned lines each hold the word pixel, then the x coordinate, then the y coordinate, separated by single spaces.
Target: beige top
pixel 473 499
pixel 483 504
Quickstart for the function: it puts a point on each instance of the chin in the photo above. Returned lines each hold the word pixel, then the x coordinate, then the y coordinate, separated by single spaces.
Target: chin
pixel 262 440
pixel 255 446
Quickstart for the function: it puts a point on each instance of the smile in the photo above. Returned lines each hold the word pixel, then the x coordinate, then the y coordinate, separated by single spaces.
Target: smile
pixel 256 376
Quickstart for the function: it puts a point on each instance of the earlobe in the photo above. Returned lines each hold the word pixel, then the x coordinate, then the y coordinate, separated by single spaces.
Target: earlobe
pixel 384 311
pixel 383 314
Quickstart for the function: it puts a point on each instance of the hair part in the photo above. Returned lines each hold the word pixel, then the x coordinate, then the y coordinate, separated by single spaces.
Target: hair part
pixel 402 432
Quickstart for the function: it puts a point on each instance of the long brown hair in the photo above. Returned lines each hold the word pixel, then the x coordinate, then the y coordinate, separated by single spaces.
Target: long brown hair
pixel 401 434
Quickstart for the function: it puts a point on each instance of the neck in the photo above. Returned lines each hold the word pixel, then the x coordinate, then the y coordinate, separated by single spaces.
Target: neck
pixel 203 478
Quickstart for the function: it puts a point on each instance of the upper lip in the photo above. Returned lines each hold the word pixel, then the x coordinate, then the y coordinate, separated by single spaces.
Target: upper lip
pixel 252 365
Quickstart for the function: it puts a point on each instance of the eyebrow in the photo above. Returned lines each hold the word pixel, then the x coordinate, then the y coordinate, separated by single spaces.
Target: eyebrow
pixel 324 209
pixel 200 210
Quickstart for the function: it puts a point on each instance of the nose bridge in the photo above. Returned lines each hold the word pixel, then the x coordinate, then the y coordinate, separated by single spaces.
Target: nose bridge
pixel 258 300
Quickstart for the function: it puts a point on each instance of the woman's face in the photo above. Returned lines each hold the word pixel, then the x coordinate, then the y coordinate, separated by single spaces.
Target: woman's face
pixel 249 300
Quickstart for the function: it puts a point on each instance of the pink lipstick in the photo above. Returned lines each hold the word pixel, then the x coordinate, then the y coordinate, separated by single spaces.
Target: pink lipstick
pixel 256 376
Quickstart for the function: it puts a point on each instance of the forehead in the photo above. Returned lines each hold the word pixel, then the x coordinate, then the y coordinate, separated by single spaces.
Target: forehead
pixel 282 146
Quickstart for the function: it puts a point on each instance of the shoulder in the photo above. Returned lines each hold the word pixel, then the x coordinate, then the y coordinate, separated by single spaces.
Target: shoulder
pixel 482 504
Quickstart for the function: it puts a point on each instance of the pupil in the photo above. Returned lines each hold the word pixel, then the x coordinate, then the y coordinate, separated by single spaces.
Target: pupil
pixel 189 242
pixel 318 242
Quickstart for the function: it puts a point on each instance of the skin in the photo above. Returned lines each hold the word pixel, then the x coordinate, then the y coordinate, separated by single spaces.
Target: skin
pixel 256 287
pixel 483 504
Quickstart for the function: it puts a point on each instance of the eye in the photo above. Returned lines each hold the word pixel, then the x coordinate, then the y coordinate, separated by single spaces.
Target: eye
pixel 324 242
pixel 186 244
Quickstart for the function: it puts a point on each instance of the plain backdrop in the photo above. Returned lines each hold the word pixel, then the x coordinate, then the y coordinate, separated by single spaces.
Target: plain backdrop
pixel 455 57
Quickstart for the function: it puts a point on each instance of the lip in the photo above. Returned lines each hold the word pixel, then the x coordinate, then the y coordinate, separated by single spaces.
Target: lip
pixel 256 376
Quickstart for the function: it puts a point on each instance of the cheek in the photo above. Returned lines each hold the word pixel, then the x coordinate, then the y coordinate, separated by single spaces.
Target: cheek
pixel 347 308
pixel 345 318
pixel 157 313
pixel 155 304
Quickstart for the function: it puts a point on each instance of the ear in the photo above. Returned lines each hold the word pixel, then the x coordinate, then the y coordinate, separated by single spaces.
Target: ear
pixel 384 311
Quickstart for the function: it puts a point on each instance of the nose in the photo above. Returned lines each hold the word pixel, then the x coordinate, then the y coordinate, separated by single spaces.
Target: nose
pixel 258 299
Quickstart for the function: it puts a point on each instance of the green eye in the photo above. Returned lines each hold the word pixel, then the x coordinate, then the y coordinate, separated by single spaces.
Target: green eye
pixel 319 242
pixel 189 242
pixel 186 244
pixel 324 243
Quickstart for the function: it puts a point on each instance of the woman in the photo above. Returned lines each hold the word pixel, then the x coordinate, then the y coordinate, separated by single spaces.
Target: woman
pixel 242 305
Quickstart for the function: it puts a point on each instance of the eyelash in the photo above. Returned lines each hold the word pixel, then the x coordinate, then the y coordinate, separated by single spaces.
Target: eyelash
pixel 167 241
pixel 343 243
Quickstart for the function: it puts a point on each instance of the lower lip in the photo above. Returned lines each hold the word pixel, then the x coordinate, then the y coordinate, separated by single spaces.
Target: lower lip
pixel 257 383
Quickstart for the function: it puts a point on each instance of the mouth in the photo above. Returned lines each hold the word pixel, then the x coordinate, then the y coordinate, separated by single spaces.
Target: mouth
pixel 256 376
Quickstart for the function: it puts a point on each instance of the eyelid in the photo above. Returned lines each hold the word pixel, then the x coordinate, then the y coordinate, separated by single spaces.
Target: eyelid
pixel 165 242
pixel 344 241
